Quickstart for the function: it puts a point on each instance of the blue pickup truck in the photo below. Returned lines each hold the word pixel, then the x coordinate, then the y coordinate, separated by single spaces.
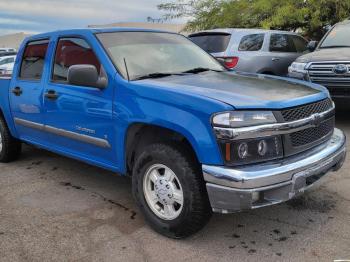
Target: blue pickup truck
pixel 194 137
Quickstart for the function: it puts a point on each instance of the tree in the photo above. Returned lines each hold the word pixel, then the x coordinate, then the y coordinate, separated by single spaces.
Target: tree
pixel 312 17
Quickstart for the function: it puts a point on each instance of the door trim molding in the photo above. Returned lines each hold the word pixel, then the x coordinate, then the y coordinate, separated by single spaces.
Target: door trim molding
pixel 65 133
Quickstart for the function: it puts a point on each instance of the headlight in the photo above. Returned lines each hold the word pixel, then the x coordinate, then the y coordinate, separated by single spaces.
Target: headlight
pixel 246 151
pixel 243 118
pixel 249 151
pixel 297 67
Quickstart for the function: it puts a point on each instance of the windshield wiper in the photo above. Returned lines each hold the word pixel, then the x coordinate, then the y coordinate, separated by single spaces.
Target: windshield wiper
pixel 199 70
pixel 334 46
pixel 191 71
pixel 153 75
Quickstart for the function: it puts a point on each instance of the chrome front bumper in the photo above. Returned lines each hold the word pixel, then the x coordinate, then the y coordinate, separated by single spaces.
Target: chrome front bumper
pixel 248 187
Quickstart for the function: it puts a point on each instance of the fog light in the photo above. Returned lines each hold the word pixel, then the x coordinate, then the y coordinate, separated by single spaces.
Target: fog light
pixel 262 147
pixel 243 150
pixel 255 196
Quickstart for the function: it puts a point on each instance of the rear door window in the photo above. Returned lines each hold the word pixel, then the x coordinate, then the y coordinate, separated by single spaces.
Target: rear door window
pixel 72 51
pixel 252 42
pixel 33 59
pixel 281 43
pixel 213 42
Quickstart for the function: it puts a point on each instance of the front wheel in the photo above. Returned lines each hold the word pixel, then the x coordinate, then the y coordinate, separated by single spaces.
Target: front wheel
pixel 169 189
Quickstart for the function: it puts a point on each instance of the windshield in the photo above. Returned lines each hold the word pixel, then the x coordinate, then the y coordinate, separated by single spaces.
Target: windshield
pixel 157 54
pixel 338 37
pixel 7 61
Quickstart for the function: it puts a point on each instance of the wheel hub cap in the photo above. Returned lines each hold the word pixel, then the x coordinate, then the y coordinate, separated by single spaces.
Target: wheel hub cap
pixel 163 192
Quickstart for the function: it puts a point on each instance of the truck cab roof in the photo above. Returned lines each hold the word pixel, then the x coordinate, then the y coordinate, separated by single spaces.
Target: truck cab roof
pixel 82 31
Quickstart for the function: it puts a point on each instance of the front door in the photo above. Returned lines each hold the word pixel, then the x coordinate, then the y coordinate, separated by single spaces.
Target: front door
pixel 26 92
pixel 79 118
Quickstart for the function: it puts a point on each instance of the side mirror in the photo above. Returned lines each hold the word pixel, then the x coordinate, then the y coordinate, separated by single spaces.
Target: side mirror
pixel 86 75
pixel 311 46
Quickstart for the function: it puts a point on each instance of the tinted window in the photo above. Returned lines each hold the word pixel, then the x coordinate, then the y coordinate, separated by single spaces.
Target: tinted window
pixel 299 43
pixel 33 59
pixel 339 36
pixel 251 42
pixel 281 43
pixel 72 51
pixel 212 43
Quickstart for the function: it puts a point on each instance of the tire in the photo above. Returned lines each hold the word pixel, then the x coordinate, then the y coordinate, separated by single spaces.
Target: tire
pixel 10 147
pixel 195 210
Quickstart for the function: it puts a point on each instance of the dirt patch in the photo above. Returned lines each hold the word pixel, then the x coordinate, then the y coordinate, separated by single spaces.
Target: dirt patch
pixel 321 205
pixel 113 202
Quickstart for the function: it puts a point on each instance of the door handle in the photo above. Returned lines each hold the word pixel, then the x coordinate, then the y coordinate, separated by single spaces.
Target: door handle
pixel 51 94
pixel 17 91
pixel 274 59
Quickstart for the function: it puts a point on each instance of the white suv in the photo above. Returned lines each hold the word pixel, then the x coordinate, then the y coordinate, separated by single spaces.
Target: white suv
pixel 6 64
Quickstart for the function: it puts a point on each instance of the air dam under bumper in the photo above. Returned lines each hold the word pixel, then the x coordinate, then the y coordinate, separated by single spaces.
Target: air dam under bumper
pixel 249 187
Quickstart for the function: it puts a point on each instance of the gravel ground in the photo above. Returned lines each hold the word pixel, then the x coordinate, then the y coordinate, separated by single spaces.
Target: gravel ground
pixel 57 209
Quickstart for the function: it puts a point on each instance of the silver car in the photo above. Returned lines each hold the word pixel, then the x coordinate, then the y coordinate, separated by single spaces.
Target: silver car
pixel 252 50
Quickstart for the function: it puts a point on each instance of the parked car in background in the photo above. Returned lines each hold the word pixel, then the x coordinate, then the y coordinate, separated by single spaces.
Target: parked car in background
pixel 8 54
pixel 328 63
pixel 6 64
pixel 252 50
pixel 7 49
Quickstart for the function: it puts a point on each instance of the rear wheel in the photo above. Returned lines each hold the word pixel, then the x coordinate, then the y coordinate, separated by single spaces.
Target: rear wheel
pixel 169 189
pixel 10 147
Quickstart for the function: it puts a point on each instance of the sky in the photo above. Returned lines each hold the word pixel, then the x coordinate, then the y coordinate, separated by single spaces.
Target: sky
pixel 35 16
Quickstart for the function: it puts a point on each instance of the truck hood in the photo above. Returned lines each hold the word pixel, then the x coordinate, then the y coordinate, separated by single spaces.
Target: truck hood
pixel 243 90
pixel 331 54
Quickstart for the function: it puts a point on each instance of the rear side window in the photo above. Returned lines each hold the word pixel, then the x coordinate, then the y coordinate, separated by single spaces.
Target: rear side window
pixel 33 59
pixel 281 43
pixel 299 43
pixel 212 43
pixel 252 42
pixel 72 51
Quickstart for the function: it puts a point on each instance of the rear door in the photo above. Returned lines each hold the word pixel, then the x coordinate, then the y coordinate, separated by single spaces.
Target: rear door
pixel 284 51
pixel 79 118
pixel 26 92
pixel 252 57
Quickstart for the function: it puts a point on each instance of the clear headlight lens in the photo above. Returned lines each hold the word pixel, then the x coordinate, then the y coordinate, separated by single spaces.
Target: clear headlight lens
pixel 243 118
pixel 297 67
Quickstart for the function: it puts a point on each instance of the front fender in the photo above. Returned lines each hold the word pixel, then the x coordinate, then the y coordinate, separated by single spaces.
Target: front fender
pixel 187 115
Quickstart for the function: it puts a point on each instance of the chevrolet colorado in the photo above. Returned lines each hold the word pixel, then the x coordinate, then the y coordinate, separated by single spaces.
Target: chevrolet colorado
pixel 194 137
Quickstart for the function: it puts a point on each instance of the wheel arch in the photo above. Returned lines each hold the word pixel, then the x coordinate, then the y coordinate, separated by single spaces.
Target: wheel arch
pixel 140 134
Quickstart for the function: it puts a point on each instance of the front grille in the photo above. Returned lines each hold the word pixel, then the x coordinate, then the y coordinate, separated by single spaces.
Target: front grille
pixel 310 135
pixel 305 111
pixel 322 73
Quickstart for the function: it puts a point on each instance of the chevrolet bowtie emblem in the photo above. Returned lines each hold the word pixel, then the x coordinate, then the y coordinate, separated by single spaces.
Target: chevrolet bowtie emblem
pixel 316 120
